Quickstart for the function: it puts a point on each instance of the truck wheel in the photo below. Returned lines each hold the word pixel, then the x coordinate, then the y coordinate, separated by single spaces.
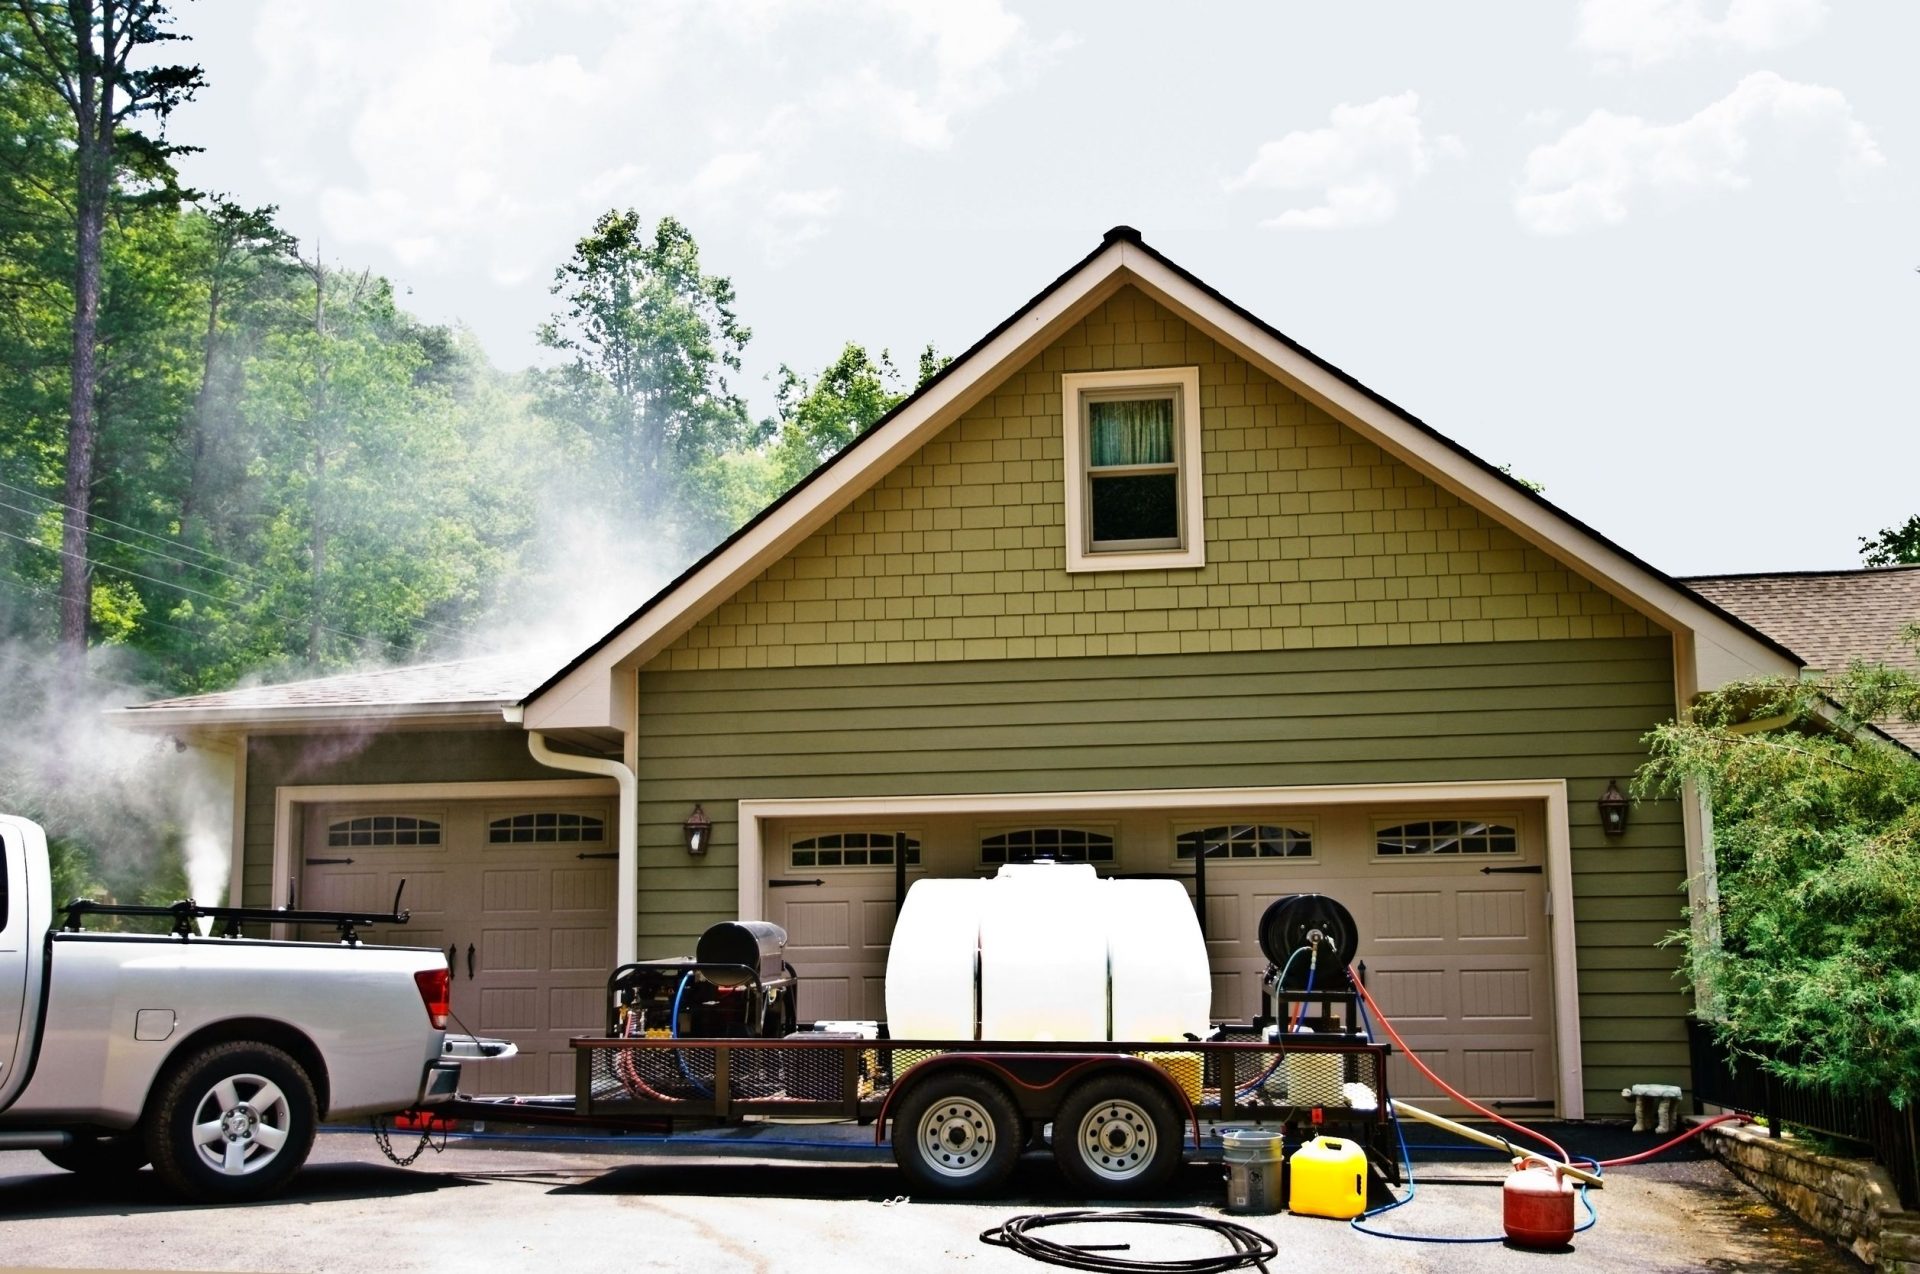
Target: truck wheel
pixel 232 1123
pixel 956 1134
pixel 1117 1136
pixel 102 1157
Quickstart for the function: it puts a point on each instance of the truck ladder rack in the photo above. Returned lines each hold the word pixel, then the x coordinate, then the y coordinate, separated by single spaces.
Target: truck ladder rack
pixel 186 911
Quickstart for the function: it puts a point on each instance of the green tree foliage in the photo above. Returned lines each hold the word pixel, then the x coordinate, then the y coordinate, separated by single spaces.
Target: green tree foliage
pixel 1816 822
pixel 817 419
pixel 1895 546
pixel 651 340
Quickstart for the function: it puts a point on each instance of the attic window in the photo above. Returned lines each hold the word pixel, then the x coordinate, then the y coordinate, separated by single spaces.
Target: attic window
pixel 1132 452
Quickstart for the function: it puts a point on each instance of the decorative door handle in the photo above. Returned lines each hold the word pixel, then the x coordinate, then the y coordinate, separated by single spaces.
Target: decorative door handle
pixel 450 950
pixel 469 962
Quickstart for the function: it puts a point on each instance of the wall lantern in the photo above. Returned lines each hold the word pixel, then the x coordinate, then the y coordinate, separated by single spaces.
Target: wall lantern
pixel 697 827
pixel 1613 811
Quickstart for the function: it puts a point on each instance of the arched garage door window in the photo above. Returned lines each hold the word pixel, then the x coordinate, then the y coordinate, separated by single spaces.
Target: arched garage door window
pixel 1445 836
pixel 852 849
pixel 382 829
pixel 1061 844
pixel 545 828
pixel 1244 841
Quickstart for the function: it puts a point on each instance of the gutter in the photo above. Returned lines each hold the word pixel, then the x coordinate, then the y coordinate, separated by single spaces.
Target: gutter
pixel 627 877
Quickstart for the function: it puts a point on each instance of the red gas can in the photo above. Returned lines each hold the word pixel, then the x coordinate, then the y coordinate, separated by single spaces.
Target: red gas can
pixel 1539 1205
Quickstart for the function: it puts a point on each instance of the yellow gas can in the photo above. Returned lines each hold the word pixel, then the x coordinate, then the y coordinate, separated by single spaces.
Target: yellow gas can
pixel 1184 1069
pixel 1328 1178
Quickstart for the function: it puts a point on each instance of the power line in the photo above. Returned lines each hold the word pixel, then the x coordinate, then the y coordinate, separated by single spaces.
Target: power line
pixel 250 583
pixel 97 564
pixel 21 585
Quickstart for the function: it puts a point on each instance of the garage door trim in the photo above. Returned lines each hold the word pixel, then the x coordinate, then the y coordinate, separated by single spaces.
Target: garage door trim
pixel 755 814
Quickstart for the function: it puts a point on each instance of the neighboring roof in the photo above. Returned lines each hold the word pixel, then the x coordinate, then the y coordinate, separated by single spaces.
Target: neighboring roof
pixel 1830 618
pixel 1123 257
pixel 457 687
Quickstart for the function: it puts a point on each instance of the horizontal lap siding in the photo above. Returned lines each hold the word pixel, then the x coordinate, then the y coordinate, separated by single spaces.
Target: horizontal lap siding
pixel 1514 710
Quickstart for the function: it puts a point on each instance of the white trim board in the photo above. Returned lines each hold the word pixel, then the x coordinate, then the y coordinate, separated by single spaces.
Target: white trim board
pixel 1552 793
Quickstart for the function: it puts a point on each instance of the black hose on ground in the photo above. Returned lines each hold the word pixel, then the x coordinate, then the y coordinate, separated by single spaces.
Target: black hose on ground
pixel 1251 1249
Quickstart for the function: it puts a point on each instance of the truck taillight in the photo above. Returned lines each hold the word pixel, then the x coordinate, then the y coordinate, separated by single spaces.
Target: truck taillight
pixel 434 987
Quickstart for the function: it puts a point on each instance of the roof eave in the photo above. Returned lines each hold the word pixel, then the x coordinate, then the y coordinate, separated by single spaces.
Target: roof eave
pixel 249 719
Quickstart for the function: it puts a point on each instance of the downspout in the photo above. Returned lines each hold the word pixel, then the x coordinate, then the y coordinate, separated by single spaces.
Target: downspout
pixel 627 878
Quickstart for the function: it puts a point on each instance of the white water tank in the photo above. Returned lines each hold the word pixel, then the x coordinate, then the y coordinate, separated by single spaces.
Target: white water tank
pixel 1047 952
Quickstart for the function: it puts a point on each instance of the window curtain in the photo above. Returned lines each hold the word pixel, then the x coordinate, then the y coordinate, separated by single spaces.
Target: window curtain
pixel 1133 431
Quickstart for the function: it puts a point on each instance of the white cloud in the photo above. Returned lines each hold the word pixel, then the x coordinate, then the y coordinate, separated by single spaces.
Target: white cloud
pixel 1360 164
pixel 1640 33
pixel 485 134
pixel 1598 170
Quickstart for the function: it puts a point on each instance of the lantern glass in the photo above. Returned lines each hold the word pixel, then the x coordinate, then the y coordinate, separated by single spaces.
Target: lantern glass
pixel 698 828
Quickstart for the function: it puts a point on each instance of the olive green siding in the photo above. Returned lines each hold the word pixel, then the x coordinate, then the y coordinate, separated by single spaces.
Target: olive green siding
pixel 1572 709
pixel 278 760
pixel 1314 539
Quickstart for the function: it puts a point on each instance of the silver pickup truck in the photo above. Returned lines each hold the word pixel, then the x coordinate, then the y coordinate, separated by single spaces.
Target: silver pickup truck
pixel 213 1058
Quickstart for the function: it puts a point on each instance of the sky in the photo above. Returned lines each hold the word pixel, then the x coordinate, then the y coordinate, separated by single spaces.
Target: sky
pixel 1659 255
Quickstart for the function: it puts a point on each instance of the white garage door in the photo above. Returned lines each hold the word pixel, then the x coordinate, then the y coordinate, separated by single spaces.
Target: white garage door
pixel 518 894
pixel 833 892
pixel 1453 933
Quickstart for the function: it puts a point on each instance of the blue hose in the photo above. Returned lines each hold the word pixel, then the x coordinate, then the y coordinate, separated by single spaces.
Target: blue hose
pixel 1279 982
pixel 674 1029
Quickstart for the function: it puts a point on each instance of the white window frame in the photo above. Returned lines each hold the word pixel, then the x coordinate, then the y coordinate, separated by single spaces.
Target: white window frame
pixel 1310 826
pixel 1076 388
pixel 1381 822
pixel 1107 829
pixel 808 832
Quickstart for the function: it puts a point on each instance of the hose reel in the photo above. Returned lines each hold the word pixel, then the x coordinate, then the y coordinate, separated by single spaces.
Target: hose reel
pixel 1305 920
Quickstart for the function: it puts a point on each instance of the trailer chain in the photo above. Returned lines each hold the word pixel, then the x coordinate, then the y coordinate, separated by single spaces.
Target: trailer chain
pixel 381 1140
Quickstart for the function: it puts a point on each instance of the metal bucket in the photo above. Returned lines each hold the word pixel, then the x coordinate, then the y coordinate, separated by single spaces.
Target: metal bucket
pixel 1256 1170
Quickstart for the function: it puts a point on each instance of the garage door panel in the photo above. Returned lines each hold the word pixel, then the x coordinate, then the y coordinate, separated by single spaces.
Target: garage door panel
pixel 1224 913
pixel 1495 914
pixel 1500 1074
pixel 577 1010
pixel 577 949
pixel 876 922
pixel 580 888
pixel 508 889
pixel 827 993
pixel 1423 995
pixel 818 925
pixel 508 1009
pixel 1401 916
pixel 1507 995
pixel 510 950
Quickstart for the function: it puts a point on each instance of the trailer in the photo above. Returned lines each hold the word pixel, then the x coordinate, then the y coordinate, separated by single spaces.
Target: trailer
pixel 1119 1116
pixel 1044 1006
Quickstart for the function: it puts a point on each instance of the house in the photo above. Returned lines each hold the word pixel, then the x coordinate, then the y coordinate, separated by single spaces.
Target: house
pixel 1136 581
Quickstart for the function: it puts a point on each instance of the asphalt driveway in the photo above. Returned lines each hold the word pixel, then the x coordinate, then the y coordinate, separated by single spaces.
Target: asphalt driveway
pixel 757 1208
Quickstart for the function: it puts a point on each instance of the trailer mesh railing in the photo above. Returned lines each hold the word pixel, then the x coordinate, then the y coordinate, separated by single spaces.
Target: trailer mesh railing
pixel 1242 1078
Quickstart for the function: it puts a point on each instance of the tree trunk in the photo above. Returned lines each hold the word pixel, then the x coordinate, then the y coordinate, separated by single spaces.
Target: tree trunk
pixel 317 496
pixel 94 158
pixel 202 404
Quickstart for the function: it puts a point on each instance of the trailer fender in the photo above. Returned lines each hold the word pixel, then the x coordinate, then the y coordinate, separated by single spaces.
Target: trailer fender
pixel 1038 1081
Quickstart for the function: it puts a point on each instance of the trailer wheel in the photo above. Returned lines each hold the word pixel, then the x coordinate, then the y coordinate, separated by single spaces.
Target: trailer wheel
pixel 103 1157
pixel 1117 1136
pixel 233 1122
pixel 957 1134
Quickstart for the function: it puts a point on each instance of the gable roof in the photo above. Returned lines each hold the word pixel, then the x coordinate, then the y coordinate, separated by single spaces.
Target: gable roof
pixel 584 692
pixel 1831 618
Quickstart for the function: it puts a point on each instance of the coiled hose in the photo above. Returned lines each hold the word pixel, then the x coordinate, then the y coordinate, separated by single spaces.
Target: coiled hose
pixel 1250 1248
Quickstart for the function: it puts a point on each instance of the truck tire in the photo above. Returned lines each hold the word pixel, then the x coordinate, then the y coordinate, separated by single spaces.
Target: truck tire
pixel 957 1134
pixel 103 1157
pixel 1117 1136
pixel 232 1122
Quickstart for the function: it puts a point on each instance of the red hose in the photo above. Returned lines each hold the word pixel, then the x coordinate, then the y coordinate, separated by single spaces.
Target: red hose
pixel 1694 1131
pixel 1445 1087
pixel 1540 1137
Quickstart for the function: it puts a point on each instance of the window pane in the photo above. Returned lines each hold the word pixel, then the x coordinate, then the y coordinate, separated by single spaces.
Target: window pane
pixel 1143 506
pixel 1134 431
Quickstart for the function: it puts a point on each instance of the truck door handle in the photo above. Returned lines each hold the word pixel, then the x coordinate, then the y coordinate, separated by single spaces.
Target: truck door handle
pixel 469 962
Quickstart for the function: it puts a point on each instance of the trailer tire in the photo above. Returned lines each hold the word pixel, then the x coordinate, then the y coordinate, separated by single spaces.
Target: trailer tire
pixel 101 1158
pixel 957 1134
pixel 233 1122
pixel 1117 1136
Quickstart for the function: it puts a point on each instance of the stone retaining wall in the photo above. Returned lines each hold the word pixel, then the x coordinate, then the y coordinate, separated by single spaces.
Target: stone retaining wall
pixel 1853 1200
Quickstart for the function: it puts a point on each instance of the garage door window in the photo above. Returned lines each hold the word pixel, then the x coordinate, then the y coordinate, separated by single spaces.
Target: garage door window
pixel 383 829
pixel 1244 841
pixel 852 849
pixel 544 828
pixel 1443 836
pixel 1061 844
